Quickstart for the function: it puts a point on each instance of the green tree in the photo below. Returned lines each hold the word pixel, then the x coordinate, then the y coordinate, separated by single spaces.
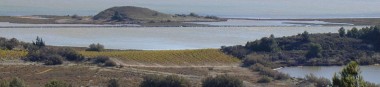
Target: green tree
pixel 314 51
pixel 342 32
pixel 305 36
pixel 349 77
pixel 56 83
pixel 39 42
pixel 16 82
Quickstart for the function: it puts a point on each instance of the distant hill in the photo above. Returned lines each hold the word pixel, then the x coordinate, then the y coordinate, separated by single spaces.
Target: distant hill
pixel 131 13
pixel 140 14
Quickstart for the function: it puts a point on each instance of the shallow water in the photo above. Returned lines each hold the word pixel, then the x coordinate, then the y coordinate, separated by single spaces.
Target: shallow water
pixel 157 38
pixel 224 8
pixel 235 22
pixel 369 73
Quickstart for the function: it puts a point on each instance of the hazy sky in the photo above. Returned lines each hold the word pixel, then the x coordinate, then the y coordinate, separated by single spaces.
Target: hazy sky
pixel 230 8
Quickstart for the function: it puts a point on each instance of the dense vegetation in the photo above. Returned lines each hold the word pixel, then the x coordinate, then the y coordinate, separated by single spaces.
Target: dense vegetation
pixel 312 49
pixel 164 81
pixel 38 52
pixel 53 55
pixel 222 81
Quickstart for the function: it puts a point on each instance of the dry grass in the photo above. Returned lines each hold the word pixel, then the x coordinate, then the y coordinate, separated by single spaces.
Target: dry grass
pixel 37 76
pixel 169 57
pixel 11 54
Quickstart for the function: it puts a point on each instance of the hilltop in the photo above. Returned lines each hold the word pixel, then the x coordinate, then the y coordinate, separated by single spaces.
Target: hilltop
pixel 129 13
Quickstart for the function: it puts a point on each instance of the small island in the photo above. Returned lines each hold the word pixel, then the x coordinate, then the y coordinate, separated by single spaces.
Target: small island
pixel 118 15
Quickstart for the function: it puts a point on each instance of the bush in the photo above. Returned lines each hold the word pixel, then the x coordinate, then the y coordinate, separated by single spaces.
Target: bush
pixel 4 83
pixel 110 63
pixel 9 44
pixel 319 82
pixel 255 59
pixel 70 54
pixel 95 47
pixel 54 60
pixel 101 59
pixel 269 72
pixel 56 83
pixel 222 81
pixel 113 83
pixel 161 81
pixel 16 82
pixel 264 79
pixel 53 55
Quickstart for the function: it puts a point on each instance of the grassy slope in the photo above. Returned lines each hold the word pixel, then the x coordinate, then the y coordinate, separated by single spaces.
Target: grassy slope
pixel 169 57
pixel 164 57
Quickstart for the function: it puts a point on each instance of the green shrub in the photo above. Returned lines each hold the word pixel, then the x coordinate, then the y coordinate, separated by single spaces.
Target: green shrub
pixel 4 83
pixel 264 79
pixel 113 83
pixel 222 81
pixel 319 82
pixel 161 81
pixel 53 55
pixel 54 60
pixel 16 82
pixel 152 81
pixel 56 83
pixel 9 44
pixel 70 54
pixel 95 47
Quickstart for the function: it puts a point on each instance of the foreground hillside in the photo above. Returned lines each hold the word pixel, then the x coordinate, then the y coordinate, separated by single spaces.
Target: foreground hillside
pixel 35 65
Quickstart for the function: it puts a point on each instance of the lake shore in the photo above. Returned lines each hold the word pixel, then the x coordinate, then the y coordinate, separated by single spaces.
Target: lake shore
pixel 88 20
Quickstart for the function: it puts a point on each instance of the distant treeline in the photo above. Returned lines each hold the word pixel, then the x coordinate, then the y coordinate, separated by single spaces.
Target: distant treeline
pixel 361 45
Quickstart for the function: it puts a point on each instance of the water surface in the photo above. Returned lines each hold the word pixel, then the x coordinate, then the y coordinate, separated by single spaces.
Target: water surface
pixel 369 73
pixel 238 22
pixel 157 38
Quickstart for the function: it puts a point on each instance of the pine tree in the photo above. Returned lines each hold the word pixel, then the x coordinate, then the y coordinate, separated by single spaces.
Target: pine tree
pixel 349 77
pixel 342 32
pixel 39 42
